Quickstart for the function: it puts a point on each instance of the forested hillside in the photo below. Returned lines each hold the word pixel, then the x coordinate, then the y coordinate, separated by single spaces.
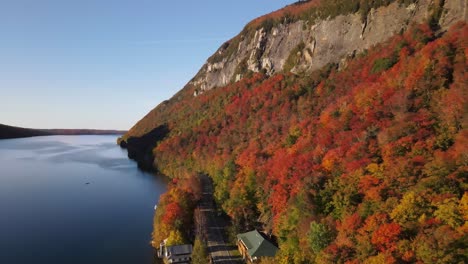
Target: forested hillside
pixel 19 132
pixel 361 162
pixel 7 132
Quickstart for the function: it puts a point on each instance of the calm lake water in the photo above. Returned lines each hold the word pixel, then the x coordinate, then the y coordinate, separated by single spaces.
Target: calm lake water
pixel 74 199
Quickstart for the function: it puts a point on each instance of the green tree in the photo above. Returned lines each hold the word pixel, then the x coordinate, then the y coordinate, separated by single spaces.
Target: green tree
pixel 319 236
pixel 199 255
pixel 410 209
pixel 449 213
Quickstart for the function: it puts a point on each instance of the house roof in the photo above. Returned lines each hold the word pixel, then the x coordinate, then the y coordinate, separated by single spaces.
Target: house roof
pixel 179 250
pixel 257 245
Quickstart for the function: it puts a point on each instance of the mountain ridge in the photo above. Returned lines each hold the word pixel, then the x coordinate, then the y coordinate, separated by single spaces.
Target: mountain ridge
pixel 267 42
pixel 360 161
pixel 299 50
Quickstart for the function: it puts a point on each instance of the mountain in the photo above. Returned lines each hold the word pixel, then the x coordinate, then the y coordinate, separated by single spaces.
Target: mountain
pixel 338 127
pixel 7 132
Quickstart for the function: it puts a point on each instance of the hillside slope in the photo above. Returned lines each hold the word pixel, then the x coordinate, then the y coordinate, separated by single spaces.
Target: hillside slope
pixel 306 36
pixel 362 159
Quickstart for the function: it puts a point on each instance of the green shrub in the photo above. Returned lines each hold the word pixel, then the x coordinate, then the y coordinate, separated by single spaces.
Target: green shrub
pixel 199 255
pixel 383 64
pixel 319 236
pixel 294 57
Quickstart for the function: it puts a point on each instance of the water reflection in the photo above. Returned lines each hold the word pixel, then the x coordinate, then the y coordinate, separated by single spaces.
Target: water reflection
pixel 74 199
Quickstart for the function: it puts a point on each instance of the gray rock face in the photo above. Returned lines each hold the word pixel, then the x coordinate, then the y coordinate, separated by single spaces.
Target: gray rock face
pixel 455 10
pixel 325 41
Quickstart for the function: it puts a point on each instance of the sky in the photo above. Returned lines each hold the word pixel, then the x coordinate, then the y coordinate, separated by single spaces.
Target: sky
pixel 104 64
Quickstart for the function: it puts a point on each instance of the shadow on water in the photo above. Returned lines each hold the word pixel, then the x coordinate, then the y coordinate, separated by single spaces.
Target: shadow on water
pixel 141 148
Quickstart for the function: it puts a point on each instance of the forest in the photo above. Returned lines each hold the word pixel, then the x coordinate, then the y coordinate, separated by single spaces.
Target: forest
pixel 362 162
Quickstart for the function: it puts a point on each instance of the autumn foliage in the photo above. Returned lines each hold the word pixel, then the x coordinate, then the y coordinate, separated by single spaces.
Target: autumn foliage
pixel 175 211
pixel 366 162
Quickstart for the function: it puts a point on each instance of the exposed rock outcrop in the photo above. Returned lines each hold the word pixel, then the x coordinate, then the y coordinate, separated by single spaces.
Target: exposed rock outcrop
pixel 305 44
pixel 325 41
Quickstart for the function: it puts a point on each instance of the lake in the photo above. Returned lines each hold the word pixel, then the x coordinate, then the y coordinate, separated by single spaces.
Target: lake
pixel 74 199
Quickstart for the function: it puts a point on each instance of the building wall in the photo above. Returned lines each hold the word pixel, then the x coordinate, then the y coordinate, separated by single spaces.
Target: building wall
pixel 243 250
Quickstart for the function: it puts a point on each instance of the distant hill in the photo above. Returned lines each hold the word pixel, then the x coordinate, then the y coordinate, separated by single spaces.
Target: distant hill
pixel 84 132
pixel 20 132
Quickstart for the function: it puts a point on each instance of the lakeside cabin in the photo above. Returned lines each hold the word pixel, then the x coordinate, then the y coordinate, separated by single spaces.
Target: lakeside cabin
pixel 179 254
pixel 253 246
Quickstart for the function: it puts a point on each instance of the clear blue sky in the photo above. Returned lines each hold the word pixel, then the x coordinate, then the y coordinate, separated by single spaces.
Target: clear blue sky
pixel 106 63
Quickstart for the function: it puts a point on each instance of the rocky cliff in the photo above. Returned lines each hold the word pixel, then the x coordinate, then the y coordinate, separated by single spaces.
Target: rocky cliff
pixel 304 37
pixel 304 44
pixel 361 161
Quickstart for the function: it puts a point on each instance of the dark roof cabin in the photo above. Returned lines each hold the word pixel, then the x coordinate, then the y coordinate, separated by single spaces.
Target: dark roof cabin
pixel 178 254
pixel 253 245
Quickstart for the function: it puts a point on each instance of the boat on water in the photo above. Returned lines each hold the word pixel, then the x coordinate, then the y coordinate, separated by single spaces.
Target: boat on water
pixel 155 207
